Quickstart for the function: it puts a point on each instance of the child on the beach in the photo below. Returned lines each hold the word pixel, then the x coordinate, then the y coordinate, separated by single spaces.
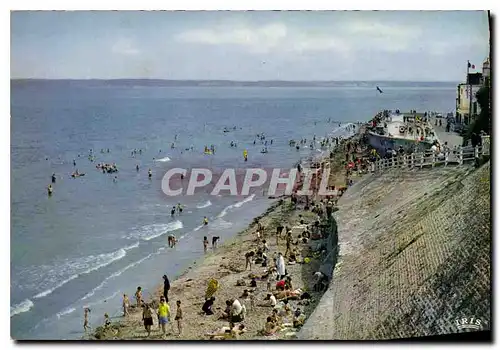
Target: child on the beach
pixel 178 317
pixel 138 296
pixel 125 304
pixel 86 312
pixel 205 244
pixel 107 321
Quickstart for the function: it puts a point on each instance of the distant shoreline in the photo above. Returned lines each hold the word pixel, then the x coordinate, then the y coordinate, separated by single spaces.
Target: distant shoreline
pixel 237 83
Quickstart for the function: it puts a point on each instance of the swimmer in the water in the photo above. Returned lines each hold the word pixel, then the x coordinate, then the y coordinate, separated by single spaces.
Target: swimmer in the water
pixel 182 176
pixel 172 212
pixel 74 162
pixel 205 220
pixel 49 190
pixel 53 178
pixel 137 167
pixel 179 208
pixel 150 173
pixel 115 179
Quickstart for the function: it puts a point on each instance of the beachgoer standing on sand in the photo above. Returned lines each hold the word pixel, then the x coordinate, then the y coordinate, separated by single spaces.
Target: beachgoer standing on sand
pixel 288 242
pixel 280 267
pixel 248 259
pixel 166 287
pixel 279 229
pixel 178 317
pixel 138 296
pixel 205 244
pixel 147 318
pixel 86 312
pixel 125 304
pixel 215 239
pixel 163 314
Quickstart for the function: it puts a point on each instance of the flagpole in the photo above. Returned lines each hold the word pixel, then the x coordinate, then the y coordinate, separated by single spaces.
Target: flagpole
pixel 470 93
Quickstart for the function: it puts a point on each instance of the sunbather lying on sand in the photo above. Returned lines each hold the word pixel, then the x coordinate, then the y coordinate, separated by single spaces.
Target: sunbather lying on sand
pixel 227 333
pixel 288 294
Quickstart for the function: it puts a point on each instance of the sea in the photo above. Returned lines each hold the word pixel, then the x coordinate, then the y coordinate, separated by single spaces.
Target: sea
pixel 97 238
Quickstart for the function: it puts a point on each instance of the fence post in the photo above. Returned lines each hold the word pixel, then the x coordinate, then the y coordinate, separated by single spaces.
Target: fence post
pixel 461 156
pixel 446 154
pixel 412 160
pixel 476 152
pixel 422 160
pixel 405 161
pixel 433 159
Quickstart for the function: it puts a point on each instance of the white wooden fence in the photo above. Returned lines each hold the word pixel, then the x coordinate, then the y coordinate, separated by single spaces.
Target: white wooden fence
pixel 430 160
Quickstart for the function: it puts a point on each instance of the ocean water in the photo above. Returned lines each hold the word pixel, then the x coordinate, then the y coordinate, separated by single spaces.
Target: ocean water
pixel 95 239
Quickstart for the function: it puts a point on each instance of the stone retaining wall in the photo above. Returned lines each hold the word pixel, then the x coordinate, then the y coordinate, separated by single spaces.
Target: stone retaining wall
pixel 414 256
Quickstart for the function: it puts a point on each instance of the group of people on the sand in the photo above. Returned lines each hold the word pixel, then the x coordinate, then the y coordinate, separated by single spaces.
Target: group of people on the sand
pixel 154 309
pixel 215 242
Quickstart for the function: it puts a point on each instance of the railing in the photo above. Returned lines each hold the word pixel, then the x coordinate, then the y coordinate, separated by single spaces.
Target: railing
pixel 430 160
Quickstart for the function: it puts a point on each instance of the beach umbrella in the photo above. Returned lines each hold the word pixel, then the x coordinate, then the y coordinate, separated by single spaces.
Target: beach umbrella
pixel 212 287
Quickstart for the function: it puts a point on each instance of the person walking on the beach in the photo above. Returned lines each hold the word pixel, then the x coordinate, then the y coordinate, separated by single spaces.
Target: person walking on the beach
pixel 86 312
pixel 205 244
pixel 163 314
pixel 138 296
pixel 147 317
pixel 166 287
pixel 125 304
pixel 178 317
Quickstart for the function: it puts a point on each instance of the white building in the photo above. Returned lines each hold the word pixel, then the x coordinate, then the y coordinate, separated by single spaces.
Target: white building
pixel 477 80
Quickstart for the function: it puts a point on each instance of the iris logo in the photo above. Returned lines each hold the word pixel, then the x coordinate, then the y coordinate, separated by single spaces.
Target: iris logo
pixel 469 323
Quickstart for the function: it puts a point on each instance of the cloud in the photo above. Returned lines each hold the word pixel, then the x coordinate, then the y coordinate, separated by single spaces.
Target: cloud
pixel 264 39
pixel 383 37
pixel 125 47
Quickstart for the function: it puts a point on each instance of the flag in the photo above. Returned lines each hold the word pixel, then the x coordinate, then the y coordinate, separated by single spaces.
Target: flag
pixel 471 65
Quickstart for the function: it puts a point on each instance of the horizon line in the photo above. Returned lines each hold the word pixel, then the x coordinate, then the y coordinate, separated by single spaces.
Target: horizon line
pixel 241 81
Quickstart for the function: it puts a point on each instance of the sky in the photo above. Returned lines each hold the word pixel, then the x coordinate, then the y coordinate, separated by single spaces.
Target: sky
pixel 248 45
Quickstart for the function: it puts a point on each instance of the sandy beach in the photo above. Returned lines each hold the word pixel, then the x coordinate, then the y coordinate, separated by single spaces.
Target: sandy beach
pixel 226 264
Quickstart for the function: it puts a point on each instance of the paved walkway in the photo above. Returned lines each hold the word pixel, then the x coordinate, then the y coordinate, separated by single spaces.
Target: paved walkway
pixel 452 138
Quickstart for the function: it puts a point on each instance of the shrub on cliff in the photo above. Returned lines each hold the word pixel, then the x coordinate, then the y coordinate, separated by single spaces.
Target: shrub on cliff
pixel 483 121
